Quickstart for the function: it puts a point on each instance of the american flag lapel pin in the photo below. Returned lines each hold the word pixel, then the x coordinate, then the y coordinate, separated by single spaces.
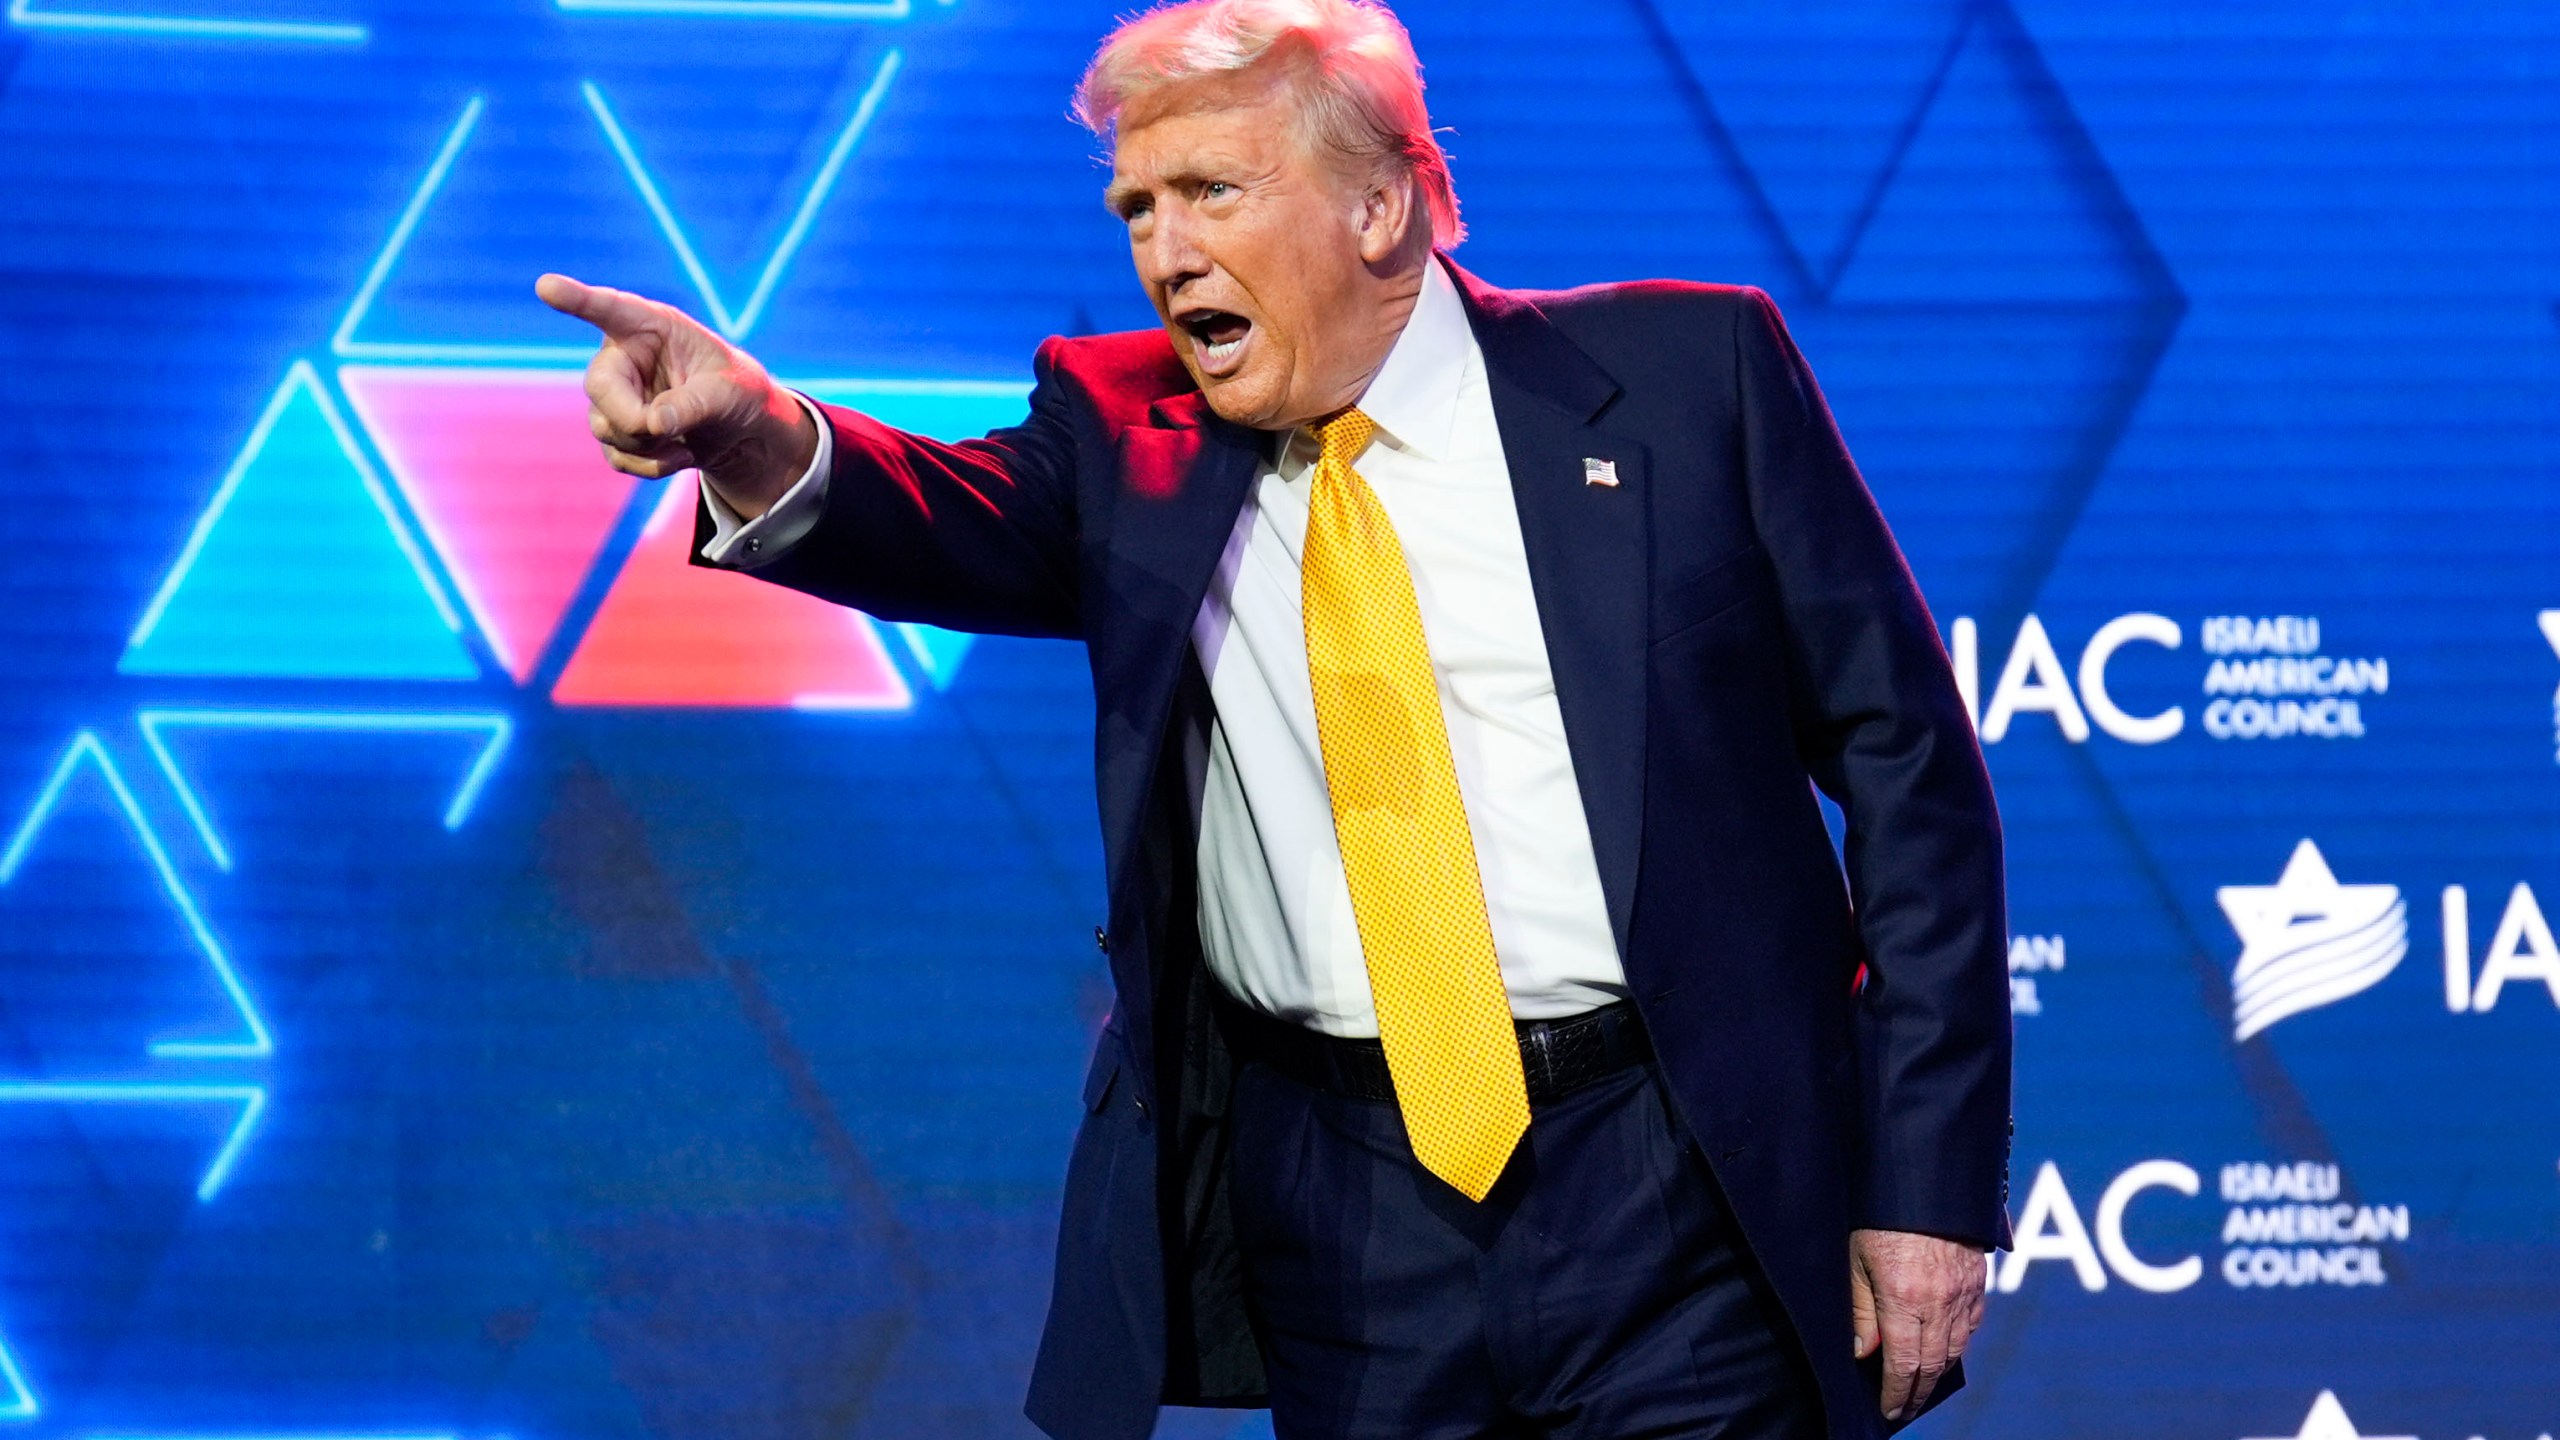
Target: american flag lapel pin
pixel 1596 471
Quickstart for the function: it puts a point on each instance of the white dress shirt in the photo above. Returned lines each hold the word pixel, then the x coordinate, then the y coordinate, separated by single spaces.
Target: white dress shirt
pixel 1275 915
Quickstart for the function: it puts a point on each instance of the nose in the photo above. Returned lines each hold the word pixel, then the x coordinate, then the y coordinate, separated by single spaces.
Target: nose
pixel 1172 255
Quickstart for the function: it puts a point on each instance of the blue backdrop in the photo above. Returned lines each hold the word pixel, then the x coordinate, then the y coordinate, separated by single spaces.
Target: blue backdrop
pixel 449 988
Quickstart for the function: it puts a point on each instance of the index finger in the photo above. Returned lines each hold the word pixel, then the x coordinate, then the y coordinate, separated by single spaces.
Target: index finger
pixel 617 388
pixel 615 312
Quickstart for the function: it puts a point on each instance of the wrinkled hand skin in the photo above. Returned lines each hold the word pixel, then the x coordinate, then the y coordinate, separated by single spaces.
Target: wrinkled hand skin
pixel 666 394
pixel 1918 1296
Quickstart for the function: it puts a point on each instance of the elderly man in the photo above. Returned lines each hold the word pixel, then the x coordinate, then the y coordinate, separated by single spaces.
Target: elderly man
pixel 1499 1050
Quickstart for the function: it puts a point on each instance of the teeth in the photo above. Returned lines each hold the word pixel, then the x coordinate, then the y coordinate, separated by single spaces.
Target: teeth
pixel 1224 349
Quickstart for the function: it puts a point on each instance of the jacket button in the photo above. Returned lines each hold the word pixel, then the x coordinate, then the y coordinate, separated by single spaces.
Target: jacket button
pixel 1101 939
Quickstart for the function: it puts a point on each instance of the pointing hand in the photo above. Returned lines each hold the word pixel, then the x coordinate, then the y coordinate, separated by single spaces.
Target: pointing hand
pixel 665 394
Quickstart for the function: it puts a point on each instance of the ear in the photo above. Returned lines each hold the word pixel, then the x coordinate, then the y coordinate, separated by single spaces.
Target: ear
pixel 1388 210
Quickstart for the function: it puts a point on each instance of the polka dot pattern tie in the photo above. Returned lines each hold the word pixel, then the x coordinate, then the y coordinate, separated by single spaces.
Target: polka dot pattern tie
pixel 1406 848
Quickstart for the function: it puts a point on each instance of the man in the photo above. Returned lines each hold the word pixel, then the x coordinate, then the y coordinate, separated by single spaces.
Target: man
pixel 1498 1050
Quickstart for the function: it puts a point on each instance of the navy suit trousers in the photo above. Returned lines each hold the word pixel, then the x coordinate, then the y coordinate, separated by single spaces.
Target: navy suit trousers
pixel 1600 1292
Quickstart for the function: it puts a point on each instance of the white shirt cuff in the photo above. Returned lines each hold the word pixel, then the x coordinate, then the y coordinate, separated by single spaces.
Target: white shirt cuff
pixel 744 544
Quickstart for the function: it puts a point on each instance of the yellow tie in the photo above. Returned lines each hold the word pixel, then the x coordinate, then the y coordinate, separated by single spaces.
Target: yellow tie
pixel 1415 893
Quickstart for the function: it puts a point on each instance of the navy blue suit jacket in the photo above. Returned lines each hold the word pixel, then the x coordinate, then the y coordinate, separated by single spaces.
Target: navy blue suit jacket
pixel 1730 627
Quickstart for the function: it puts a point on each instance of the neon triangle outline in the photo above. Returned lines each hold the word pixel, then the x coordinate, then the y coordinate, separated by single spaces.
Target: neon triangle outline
pixel 300 379
pixel 736 324
pixel 1818 261
pixel 343 342
pixel 252 1100
pixel 24 12
pixel 1991 64
pixel 85 744
pixel 152 721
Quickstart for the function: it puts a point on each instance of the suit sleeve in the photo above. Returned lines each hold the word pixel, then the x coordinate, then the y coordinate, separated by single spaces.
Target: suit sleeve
pixel 980 535
pixel 1883 731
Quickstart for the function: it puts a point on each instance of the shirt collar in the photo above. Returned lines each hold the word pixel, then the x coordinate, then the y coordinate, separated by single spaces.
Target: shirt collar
pixel 1414 395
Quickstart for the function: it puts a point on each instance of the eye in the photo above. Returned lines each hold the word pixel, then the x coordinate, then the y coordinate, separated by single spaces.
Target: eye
pixel 1216 190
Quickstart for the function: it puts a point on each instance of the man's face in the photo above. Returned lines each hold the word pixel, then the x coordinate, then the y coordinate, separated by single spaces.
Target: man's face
pixel 1250 244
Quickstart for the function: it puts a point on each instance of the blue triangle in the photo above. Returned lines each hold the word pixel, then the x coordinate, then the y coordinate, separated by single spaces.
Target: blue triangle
pixel 300 567
pixel 937 650
pixel 1817 96
pixel 734 238
pixel 2001 198
pixel 511 192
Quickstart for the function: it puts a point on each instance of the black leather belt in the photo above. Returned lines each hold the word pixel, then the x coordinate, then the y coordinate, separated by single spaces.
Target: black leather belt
pixel 1557 1057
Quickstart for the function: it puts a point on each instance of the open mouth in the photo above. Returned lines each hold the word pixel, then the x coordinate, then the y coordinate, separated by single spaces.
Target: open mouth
pixel 1217 338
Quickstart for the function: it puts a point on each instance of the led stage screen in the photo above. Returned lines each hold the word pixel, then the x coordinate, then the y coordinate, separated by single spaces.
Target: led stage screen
pixel 465 973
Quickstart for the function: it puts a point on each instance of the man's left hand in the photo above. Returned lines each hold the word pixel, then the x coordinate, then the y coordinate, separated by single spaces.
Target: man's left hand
pixel 1918 1296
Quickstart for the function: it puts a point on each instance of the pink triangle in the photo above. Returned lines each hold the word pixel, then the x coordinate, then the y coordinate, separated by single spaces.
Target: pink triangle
pixel 675 633
pixel 507 482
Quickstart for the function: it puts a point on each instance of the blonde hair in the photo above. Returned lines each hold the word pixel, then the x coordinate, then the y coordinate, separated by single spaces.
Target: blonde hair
pixel 1359 84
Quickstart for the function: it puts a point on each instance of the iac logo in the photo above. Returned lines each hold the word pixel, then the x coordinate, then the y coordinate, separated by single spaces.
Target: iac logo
pixel 2284 1226
pixel 2268 679
pixel 2520 949
pixel 2309 940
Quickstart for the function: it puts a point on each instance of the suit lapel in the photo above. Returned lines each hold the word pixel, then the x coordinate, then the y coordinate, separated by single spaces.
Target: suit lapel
pixel 1588 552
pixel 1184 478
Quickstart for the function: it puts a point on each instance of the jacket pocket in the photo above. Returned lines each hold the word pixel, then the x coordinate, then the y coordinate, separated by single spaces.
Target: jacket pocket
pixel 1711 592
